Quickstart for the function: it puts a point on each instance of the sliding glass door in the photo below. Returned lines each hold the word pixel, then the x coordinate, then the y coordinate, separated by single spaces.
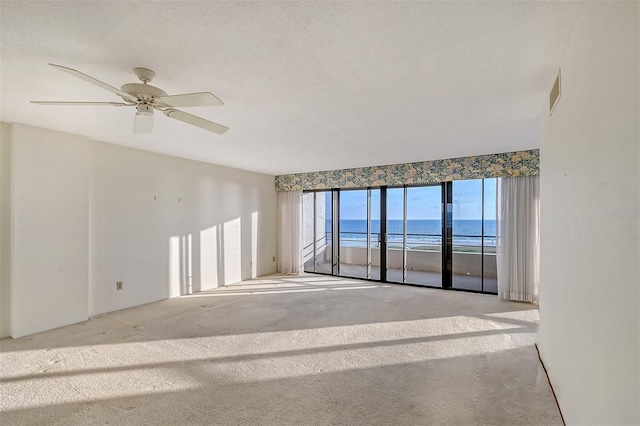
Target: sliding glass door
pixel 308 231
pixel 359 233
pixel 490 223
pixel 414 235
pixel 375 237
pixel 441 235
pixel 424 235
pixel 474 235
pixel 396 235
pixel 467 234
pixel 354 258
pixel 317 232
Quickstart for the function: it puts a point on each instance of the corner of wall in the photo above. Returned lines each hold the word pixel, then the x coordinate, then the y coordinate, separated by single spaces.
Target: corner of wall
pixel 84 214
pixel 49 229
pixel 5 230
pixel 153 217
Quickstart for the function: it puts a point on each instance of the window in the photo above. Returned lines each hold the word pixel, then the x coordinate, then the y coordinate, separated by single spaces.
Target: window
pixel 403 235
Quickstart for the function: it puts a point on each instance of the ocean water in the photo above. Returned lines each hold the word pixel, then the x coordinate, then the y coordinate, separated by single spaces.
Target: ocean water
pixel 420 233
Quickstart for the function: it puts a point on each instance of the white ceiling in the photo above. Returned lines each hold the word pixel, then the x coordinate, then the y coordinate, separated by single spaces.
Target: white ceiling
pixel 307 85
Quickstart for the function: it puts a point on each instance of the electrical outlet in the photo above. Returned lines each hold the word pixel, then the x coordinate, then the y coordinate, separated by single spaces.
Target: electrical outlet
pixel 119 285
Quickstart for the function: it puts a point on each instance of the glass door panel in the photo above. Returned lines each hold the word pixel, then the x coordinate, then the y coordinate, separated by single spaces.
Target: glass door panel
pixel 424 235
pixel 354 230
pixel 308 231
pixel 374 235
pixel 395 235
pixel 467 234
pixel 324 226
pixel 489 266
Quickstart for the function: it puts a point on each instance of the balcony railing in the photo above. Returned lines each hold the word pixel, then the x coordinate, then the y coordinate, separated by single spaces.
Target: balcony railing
pixel 423 257
pixel 420 241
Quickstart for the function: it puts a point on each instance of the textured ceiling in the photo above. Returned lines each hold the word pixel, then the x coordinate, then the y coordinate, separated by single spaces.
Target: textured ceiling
pixel 307 85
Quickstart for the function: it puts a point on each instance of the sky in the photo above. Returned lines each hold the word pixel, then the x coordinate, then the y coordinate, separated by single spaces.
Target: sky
pixel 423 203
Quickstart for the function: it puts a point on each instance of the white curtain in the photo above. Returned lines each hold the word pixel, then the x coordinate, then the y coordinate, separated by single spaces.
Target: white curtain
pixel 290 232
pixel 518 238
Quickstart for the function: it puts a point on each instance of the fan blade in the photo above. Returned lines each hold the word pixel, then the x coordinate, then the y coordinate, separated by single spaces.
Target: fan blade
pixel 80 103
pixel 196 121
pixel 95 82
pixel 191 100
pixel 143 123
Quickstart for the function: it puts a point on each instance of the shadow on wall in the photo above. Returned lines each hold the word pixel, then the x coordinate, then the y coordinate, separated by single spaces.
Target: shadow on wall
pixel 214 257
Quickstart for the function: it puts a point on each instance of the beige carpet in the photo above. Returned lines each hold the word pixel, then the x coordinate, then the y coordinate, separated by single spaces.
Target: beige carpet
pixel 286 351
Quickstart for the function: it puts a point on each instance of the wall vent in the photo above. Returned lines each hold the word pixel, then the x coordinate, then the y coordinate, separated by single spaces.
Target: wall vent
pixel 554 96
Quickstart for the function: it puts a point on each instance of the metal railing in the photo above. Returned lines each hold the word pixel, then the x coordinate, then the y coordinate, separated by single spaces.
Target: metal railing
pixel 461 242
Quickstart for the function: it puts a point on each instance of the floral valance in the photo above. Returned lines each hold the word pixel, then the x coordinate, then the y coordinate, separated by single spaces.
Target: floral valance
pixel 520 163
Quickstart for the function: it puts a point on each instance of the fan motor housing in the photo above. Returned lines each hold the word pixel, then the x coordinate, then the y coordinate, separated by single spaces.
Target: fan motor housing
pixel 144 109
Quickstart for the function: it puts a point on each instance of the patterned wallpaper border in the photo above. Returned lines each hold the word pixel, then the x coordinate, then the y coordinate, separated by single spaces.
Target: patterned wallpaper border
pixel 519 163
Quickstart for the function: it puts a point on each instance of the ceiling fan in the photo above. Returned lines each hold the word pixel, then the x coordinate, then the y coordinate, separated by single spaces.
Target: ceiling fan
pixel 147 98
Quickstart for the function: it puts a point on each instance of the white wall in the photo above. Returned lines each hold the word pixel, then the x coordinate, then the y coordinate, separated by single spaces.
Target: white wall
pixel 5 230
pixel 166 226
pixel 50 229
pixel 87 214
pixel 590 160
